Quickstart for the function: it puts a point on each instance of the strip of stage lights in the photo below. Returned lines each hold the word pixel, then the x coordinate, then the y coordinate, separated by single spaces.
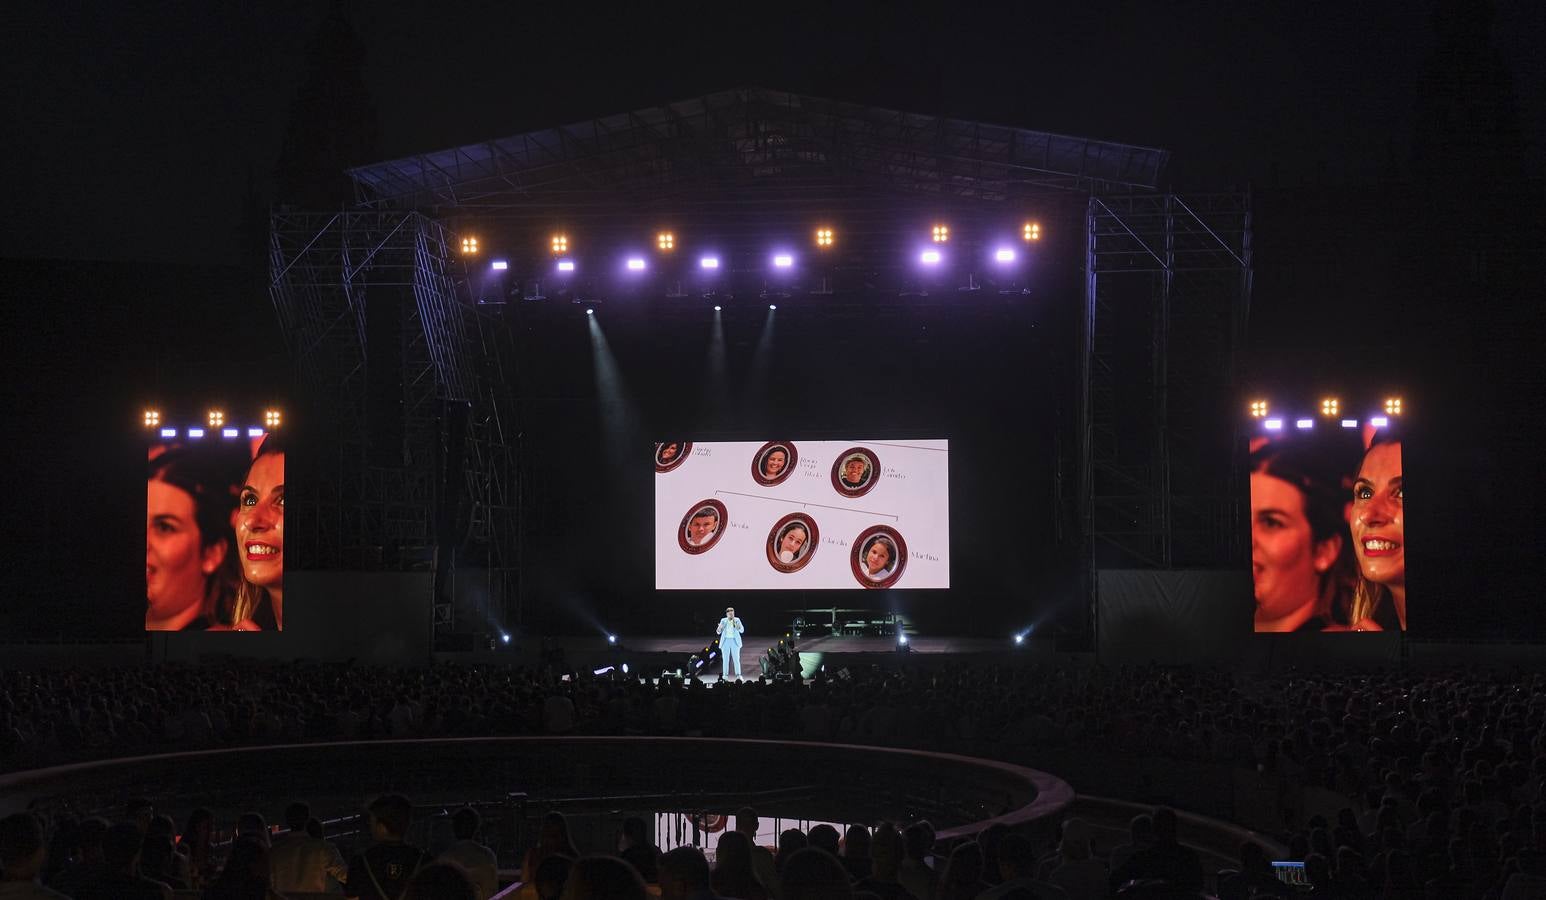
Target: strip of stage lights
pixel 999 250
pixel 1331 412
pixel 215 426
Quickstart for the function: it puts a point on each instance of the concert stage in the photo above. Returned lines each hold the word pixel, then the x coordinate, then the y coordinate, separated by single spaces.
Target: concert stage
pixel 654 655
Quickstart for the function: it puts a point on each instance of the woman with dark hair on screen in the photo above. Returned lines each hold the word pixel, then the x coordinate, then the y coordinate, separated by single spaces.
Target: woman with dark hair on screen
pixel 1300 561
pixel 260 537
pixel 879 558
pixel 1378 523
pixel 190 553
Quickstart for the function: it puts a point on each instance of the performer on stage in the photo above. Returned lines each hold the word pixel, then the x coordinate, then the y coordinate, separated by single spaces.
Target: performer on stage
pixel 729 631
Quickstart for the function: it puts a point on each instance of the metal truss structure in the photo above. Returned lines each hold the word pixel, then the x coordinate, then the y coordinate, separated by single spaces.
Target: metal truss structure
pixel 389 348
pixel 1167 282
pixel 1167 295
pixel 790 147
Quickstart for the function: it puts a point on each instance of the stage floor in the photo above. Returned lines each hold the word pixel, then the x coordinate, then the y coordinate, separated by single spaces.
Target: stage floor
pixel 754 644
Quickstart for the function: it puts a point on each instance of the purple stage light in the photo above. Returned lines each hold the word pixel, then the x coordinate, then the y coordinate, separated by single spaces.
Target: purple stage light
pixel 930 257
pixel 1004 255
pixel 169 432
pixel 708 262
pixel 500 265
pixel 1304 424
pixel 230 432
pixel 1349 423
pixel 566 265
pixel 1379 421
pixel 1273 424
pixel 636 264
pixel 783 261
pixel 254 432
pixel 195 432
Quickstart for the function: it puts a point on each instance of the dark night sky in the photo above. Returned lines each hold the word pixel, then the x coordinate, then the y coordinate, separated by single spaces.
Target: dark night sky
pixel 131 129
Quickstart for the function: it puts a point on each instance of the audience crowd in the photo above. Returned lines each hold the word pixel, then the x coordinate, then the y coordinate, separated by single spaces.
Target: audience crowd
pixel 1443 777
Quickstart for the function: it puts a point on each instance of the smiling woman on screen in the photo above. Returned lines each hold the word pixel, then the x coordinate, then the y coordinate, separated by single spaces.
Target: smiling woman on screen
pixel 260 538
pixel 1378 521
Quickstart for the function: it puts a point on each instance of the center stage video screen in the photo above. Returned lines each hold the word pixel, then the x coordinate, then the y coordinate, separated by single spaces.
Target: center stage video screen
pixel 1328 531
pixel 214 532
pixel 802 515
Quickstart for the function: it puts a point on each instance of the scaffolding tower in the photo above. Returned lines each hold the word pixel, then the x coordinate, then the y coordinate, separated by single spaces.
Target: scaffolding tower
pixel 1167 295
pixel 411 420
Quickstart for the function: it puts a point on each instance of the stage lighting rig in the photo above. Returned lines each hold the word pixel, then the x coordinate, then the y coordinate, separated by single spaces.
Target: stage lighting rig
pixel 665 242
pixel 1031 231
pixel 469 246
pixel 559 243
pixel 1392 406
pixel 824 238
pixel 271 419
pixel 215 418
pixel 152 418
pixel 1331 407
pixel 1258 409
pixel 941 234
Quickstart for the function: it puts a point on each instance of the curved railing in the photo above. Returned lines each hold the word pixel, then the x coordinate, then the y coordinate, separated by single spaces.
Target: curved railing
pixel 832 782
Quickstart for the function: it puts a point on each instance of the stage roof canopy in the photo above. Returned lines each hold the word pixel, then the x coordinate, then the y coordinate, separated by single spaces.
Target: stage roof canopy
pixel 737 144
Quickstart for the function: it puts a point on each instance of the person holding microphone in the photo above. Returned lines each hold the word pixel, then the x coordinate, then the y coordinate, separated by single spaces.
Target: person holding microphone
pixel 730 630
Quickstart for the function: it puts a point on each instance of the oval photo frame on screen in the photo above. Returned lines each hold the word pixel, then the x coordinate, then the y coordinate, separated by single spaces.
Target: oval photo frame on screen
pixel 897 547
pixel 802 557
pixel 855 462
pixel 693 538
pixel 671 454
pixel 765 454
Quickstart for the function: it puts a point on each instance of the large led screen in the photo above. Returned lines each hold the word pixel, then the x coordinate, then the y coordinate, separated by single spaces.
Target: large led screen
pixel 1328 540
pixel 802 515
pixel 214 532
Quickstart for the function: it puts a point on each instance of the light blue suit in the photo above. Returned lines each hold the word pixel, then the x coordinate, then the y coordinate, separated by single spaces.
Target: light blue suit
pixel 730 644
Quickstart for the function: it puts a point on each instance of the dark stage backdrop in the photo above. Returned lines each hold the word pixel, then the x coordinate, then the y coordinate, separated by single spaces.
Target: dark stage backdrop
pixel 978 372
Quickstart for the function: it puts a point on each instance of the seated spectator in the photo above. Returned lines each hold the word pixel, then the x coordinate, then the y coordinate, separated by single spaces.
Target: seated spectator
pixel 1254 878
pixel 246 873
pixel 382 871
pixel 813 874
pixel 195 845
pixel 441 881
pixel 159 862
pixel 480 863
pixel 914 873
pixel 685 875
pixel 636 849
pixel 1167 860
pixel 300 862
pixel 120 878
pixel 604 878
pixel 733 875
pixel 962 878
pixel 22 854
pixel 856 852
pixel 763 867
pixel 826 838
pixel 886 858
pixel 252 824
pixel 1140 837
pixel 91 865
pixel 1075 869
pixel 1017 871
pixel 552 837
pixel 548 884
pixel 790 841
